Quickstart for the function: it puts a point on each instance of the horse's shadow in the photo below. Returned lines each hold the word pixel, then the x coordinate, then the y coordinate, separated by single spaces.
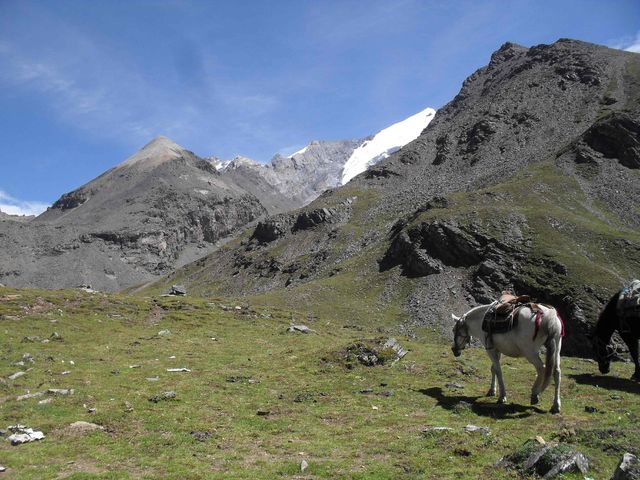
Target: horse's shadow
pixel 608 382
pixel 493 409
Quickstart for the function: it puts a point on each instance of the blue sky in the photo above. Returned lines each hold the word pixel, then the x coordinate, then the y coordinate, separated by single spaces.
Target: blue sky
pixel 83 85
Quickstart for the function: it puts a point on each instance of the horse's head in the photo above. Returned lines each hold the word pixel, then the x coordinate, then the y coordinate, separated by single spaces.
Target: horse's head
pixel 461 337
pixel 602 352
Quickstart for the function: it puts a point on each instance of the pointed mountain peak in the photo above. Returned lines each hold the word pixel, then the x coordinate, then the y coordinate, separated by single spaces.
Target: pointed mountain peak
pixel 240 161
pixel 159 150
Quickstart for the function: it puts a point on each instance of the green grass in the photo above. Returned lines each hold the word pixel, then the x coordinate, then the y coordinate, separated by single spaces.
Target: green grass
pixel 316 409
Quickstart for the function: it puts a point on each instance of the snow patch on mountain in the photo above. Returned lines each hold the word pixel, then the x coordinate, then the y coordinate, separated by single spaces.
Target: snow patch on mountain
pixel 299 152
pixel 386 142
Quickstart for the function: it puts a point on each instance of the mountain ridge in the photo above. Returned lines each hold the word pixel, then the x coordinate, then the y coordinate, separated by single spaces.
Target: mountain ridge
pixel 158 209
pixel 518 183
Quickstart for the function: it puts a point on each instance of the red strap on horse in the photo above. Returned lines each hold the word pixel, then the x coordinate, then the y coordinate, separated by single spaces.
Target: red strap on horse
pixel 539 320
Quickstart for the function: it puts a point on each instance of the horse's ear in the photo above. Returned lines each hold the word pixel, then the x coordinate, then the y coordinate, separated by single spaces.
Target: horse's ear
pixel 454 318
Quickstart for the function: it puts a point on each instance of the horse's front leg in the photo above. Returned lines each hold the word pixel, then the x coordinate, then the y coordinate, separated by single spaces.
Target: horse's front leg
pixel 492 387
pixel 496 372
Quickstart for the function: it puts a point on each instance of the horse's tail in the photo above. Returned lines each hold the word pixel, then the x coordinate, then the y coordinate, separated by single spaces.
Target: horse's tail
pixel 553 343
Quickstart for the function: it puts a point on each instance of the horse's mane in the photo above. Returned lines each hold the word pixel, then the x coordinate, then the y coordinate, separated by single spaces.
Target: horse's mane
pixel 608 318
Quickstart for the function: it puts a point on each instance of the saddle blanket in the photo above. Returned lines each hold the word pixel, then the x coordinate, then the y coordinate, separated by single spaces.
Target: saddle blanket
pixel 629 301
pixel 496 322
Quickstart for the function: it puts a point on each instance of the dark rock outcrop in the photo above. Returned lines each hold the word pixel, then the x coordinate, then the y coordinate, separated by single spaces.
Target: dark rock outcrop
pixel 616 136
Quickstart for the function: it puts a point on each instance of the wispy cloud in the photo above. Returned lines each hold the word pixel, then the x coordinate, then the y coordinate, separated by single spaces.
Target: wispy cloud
pixel 630 44
pixel 14 206
pixel 93 86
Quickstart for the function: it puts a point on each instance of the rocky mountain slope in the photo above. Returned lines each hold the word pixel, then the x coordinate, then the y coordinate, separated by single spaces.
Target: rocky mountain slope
pixel 289 182
pixel 158 208
pixel 16 218
pixel 285 183
pixel 164 207
pixel 528 179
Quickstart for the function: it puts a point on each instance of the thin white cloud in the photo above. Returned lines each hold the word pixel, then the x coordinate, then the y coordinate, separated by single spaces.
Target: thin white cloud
pixel 104 92
pixel 629 44
pixel 14 206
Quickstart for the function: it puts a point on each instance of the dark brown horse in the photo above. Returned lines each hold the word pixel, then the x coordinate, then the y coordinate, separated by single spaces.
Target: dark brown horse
pixel 628 326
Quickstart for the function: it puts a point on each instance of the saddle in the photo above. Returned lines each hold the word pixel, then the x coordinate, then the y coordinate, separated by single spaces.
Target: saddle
pixel 628 306
pixel 502 316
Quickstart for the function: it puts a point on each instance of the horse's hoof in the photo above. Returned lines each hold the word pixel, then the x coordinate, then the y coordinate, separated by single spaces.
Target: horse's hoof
pixel 491 393
pixel 502 400
pixel 534 399
pixel 555 409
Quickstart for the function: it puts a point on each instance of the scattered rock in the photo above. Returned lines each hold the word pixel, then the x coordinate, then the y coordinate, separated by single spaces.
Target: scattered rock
pixel 303 465
pixel 60 391
pixel 591 409
pixel 393 344
pixel 370 353
pixel 80 428
pixel 546 460
pixel 462 407
pixel 454 385
pixel 163 333
pixel 66 372
pixel 22 434
pixel 129 408
pixel 475 428
pixel 135 366
pixel 29 395
pixel 179 290
pixel 31 339
pixel 182 369
pixel 2 468
pixel 201 436
pixel 270 230
pixel 303 397
pixel 45 401
pixel 162 396
pixel 86 288
pixel 55 336
pixel 153 379
pixel 16 375
pixel 300 329
pixel 628 468
pixel 263 413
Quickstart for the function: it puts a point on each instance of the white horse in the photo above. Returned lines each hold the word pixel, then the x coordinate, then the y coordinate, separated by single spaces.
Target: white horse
pixel 525 340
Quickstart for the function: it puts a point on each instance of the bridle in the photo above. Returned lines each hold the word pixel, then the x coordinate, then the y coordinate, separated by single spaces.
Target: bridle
pixel 604 352
pixel 460 330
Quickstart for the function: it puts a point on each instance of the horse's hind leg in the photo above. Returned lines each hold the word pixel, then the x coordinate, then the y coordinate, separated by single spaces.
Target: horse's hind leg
pixel 497 372
pixel 632 343
pixel 536 390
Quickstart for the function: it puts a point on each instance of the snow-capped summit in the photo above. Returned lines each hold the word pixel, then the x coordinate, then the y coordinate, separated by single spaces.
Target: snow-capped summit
pixel 386 142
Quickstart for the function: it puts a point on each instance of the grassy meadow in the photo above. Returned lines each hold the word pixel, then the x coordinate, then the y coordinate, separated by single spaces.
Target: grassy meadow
pixel 258 401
